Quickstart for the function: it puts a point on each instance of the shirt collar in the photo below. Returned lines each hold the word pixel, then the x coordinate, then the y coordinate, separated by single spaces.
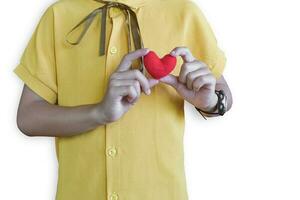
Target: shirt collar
pixel 131 3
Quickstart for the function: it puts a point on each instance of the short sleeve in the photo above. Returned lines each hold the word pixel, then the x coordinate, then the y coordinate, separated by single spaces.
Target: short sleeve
pixel 37 66
pixel 200 39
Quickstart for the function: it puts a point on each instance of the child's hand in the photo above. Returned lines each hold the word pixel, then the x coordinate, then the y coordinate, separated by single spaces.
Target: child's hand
pixel 195 83
pixel 124 87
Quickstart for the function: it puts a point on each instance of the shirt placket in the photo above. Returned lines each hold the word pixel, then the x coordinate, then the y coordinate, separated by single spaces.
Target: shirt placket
pixel 113 148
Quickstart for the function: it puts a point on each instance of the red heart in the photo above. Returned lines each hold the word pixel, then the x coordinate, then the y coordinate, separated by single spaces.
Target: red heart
pixel 157 67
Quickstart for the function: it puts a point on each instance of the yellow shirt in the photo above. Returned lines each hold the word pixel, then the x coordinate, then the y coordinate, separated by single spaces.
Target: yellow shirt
pixel 140 156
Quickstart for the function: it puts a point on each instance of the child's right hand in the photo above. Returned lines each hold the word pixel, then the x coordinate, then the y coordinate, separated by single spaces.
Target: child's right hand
pixel 124 88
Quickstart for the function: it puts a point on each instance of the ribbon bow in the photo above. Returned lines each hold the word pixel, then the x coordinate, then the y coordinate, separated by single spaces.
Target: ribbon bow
pixel 131 21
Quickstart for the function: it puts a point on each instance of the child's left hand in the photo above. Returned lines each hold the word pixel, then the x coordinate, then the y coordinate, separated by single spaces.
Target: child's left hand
pixel 195 82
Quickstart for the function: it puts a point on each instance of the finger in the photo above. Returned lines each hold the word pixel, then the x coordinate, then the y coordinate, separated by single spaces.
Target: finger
pixel 127 91
pixel 153 82
pixel 187 68
pixel 184 52
pixel 170 80
pixel 191 76
pixel 126 61
pixel 126 82
pixel 207 80
pixel 137 75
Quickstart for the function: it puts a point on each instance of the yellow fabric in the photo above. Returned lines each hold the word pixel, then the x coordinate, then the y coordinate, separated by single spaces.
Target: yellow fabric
pixel 140 156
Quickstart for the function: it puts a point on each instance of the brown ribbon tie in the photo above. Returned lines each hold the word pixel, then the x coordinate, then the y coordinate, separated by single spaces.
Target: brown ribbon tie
pixel 131 21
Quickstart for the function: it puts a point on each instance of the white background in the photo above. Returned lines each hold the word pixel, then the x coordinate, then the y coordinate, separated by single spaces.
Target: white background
pixel 251 153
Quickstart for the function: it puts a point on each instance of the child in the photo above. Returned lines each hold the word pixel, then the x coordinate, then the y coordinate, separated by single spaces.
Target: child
pixel 118 131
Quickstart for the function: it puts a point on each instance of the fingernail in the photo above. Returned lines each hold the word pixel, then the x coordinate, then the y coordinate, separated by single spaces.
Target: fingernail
pixel 148 92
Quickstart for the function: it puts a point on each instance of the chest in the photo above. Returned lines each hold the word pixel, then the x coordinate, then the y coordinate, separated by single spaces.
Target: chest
pixel 82 75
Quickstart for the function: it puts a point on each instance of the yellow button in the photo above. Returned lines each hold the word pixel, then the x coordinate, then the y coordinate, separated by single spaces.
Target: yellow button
pixel 113 50
pixel 113 196
pixel 114 12
pixel 112 152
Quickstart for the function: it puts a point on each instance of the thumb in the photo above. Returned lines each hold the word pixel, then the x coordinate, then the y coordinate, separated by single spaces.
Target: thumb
pixel 170 80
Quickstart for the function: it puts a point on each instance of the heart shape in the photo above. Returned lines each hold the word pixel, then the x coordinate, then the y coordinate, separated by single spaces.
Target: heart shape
pixel 157 67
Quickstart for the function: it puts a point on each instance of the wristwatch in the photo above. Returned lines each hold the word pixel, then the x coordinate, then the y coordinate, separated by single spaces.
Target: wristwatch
pixel 221 106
